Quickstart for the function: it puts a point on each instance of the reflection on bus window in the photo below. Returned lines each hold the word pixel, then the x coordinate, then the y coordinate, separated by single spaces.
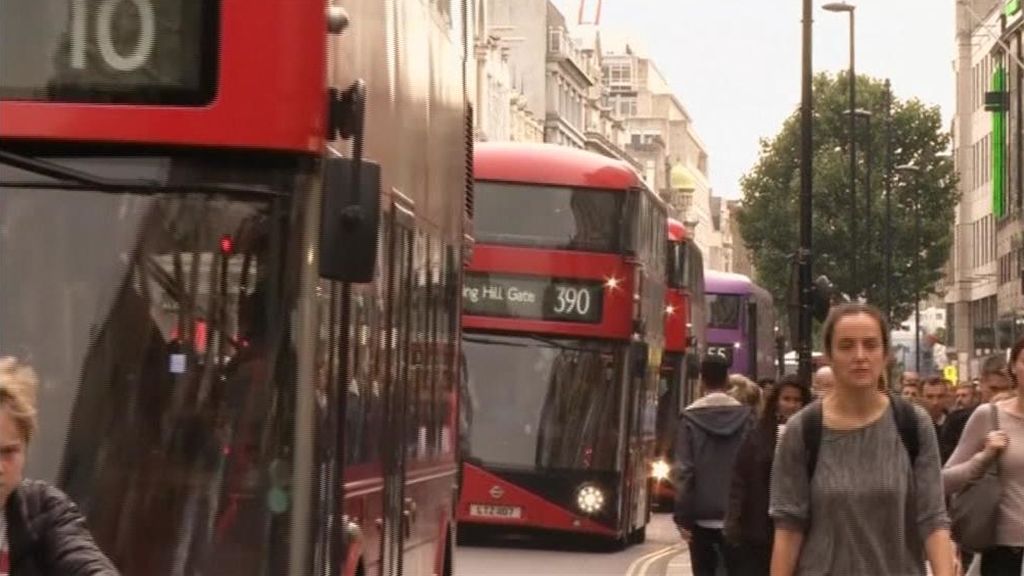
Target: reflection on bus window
pixel 543 404
pixel 548 216
pixel 167 373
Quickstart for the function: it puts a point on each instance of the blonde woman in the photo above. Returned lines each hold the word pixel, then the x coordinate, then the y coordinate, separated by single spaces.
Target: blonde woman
pixel 41 531
pixel 746 391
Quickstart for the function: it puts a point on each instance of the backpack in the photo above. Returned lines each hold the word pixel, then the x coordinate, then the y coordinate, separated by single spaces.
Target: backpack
pixel 906 422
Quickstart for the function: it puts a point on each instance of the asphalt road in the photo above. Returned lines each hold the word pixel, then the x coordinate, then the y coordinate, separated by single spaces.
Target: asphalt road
pixel 663 554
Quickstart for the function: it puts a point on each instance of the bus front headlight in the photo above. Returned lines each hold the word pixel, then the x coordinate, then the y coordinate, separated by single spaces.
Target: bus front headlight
pixel 589 499
pixel 660 470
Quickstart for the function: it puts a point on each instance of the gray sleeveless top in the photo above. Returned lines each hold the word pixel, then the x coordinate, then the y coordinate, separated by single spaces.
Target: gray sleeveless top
pixel 866 512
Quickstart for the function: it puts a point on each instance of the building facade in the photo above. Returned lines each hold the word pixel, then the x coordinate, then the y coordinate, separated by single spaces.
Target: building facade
pixel 662 138
pixel 982 290
pixel 741 257
pixel 499 107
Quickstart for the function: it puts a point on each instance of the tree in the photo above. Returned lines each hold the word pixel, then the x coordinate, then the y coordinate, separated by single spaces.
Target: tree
pixel 769 221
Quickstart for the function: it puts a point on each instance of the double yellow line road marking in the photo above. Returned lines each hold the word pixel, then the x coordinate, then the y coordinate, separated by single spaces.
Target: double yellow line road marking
pixel 641 565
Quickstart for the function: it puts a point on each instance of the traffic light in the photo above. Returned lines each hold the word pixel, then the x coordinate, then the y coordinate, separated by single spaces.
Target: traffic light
pixel 823 295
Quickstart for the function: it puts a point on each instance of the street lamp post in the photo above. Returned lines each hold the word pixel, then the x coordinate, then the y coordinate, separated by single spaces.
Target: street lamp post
pixel 914 171
pixel 850 10
pixel 866 115
pixel 806 143
pixel 888 202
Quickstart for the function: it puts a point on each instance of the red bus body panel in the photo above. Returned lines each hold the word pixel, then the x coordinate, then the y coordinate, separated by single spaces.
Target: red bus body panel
pixel 482 487
pixel 677 316
pixel 271 92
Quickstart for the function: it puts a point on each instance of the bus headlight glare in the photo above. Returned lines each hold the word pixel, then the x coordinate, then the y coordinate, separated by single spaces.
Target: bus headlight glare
pixel 660 470
pixel 589 499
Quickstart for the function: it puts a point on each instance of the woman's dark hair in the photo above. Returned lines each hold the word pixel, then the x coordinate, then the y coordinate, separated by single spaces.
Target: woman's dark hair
pixel 849 309
pixel 770 415
pixel 1018 347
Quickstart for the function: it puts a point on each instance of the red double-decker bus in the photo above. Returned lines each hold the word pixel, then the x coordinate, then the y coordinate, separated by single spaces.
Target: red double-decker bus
pixel 562 321
pixel 685 327
pixel 232 248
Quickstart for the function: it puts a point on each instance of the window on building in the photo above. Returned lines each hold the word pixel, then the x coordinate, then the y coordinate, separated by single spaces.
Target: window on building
pixel 625 106
pixel 620 73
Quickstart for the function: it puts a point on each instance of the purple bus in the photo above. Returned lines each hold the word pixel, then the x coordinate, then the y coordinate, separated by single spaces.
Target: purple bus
pixel 741 324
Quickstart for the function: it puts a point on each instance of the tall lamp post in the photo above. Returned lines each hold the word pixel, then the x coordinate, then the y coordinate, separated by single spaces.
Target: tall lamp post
pixel 913 171
pixel 850 10
pixel 806 142
pixel 887 234
pixel 866 115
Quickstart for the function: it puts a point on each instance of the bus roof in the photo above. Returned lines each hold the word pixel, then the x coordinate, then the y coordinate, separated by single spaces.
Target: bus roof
pixel 716 282
pixel 551 164
pixel 677 231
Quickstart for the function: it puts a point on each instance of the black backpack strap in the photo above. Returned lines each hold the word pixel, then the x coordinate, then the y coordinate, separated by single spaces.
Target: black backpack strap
pixel 906 423
pixel 812 424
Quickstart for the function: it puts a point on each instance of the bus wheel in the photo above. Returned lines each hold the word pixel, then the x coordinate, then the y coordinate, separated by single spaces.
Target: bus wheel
pixel 446 568
pixel 638 536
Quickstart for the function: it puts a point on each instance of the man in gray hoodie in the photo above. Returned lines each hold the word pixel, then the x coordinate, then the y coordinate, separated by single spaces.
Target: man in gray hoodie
pixel 710 433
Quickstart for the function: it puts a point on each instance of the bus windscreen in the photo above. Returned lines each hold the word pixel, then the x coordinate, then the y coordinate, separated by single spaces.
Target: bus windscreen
pixel 124 52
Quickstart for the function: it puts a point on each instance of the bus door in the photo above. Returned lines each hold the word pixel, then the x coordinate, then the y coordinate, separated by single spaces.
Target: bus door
pixel 394 525
pixel 634 473
pixel 751 343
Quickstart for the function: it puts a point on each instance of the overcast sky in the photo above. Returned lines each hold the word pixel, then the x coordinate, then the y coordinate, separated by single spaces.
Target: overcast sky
pixel 735 64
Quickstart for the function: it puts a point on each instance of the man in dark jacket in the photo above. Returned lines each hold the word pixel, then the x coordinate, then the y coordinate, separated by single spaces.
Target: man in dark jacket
pixel 710 433
pixel 48 537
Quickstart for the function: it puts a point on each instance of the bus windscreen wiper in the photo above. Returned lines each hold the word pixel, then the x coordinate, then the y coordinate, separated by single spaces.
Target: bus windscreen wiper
pixel 66 175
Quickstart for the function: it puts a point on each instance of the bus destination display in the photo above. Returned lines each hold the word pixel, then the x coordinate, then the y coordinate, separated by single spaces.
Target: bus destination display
pixel 533 298
pixel 109 51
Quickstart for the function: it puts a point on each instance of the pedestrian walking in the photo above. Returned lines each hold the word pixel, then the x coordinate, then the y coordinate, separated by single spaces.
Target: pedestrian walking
pixel 856 485
pixel 748 528
pixel 747 392
pixel 711 431
pixel 993 441
pixel 41 531
pixel 933 398
pixel 823 382
pixel 965 396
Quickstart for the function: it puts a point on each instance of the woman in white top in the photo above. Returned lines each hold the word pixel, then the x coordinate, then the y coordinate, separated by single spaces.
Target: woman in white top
pixel 980 446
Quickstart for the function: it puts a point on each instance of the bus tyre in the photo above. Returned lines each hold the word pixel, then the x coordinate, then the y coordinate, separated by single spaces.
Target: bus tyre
pixel 449 557
pixel 638 536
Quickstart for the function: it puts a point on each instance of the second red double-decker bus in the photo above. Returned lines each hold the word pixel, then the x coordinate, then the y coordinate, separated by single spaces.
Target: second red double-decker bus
pixel 685 323
pixel 562 313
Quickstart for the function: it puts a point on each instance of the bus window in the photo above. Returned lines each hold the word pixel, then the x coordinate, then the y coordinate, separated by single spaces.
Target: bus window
pixel 725 311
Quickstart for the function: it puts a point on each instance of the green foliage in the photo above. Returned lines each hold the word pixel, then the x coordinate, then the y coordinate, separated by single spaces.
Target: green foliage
pixel 770 219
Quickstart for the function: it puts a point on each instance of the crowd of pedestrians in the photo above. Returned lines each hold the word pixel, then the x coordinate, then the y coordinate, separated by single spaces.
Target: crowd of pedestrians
pixel 854 474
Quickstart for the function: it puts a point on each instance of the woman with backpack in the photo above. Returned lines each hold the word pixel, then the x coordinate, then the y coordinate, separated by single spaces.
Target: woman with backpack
pixel 993 439
pixel 748 529
pixel 856 485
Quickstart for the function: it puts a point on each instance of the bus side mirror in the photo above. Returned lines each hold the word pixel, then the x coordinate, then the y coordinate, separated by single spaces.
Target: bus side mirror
pixel 349 219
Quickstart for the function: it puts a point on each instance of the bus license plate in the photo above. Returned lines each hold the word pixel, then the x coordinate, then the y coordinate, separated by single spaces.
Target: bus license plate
pixel 490 511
